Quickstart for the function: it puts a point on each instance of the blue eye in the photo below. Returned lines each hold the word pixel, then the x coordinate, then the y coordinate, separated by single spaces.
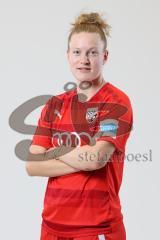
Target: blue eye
pixel 76 52
pixel 93 53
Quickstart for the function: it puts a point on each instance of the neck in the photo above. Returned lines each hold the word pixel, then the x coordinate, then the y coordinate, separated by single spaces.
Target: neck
pixel 89 88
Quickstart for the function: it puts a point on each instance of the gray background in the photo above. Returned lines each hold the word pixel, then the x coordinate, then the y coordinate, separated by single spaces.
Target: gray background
pixel 33 41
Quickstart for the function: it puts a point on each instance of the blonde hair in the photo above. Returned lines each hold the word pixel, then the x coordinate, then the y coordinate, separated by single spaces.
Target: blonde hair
pixel 92 23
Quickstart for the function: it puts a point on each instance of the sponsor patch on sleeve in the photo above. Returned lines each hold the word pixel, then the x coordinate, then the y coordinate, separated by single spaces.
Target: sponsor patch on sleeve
pixel 108 127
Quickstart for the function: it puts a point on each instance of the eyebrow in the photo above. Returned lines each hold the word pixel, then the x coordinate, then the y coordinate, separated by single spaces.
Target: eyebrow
pixel 81 49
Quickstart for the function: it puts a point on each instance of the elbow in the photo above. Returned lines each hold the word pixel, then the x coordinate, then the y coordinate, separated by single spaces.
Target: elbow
pixel 95 165
pixel 28 167
pixel 98 165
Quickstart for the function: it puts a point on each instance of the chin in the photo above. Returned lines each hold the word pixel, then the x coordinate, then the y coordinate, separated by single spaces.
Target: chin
pixel 81 79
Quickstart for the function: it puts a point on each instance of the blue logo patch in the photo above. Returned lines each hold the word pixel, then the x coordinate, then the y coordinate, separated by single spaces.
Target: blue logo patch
pixel 109 128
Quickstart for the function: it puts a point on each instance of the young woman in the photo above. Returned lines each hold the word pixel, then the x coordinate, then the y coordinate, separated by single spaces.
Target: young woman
pixel 80 144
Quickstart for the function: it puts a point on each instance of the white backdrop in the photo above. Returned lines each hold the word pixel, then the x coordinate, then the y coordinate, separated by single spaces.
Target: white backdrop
pixel 33 42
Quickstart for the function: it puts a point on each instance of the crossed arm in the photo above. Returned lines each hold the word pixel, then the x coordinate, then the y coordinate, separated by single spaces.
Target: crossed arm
pixel 84 158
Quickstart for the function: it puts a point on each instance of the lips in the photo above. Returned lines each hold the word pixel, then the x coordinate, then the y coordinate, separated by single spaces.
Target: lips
pixel 84 69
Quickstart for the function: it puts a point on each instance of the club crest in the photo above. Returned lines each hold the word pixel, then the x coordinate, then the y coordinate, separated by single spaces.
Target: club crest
pixel 91 114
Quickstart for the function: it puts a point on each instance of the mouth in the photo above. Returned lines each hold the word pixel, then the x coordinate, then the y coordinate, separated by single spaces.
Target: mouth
pixel 84 69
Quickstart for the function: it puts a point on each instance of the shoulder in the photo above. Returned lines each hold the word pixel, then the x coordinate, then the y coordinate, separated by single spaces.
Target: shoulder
pixel 55 104
pixel 60 98
pixel 118 95
pixel 118 101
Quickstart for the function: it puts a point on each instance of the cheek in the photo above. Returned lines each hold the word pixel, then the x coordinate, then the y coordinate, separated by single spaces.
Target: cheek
pixel 73 62
pixel 97 65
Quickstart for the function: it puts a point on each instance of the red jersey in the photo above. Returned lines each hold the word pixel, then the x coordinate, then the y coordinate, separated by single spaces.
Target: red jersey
pixel 85 202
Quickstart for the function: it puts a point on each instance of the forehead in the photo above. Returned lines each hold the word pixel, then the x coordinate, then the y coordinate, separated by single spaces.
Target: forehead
pixel 85 40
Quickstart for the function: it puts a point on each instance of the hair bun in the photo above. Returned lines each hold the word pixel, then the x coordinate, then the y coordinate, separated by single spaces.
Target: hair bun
pixel 92 22
pixel 93 18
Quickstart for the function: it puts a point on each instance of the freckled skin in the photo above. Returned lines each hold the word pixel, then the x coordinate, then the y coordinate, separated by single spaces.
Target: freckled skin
pixel 93 65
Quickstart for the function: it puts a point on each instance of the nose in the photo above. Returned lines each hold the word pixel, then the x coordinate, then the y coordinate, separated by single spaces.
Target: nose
pixel 84 59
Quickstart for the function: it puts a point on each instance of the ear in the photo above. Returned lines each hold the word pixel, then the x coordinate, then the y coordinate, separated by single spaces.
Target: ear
pixel 105 56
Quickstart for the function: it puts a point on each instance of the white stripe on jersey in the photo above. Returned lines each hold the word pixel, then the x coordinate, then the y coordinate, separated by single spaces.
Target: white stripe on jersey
pixel 101 237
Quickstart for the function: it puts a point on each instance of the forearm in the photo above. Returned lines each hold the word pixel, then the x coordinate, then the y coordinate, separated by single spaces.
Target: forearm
pixel 49 168
pixel 85 158
pixel 40 163
pixel 44 165
pixel 80 158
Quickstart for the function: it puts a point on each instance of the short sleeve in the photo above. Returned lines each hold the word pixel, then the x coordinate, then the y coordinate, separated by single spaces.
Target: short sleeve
pixel 116 126
pixel 43 133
